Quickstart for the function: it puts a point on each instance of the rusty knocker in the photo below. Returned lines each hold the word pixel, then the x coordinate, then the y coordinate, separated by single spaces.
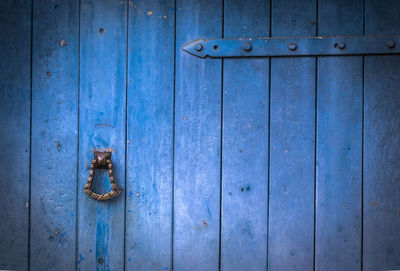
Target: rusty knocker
pixel 102 160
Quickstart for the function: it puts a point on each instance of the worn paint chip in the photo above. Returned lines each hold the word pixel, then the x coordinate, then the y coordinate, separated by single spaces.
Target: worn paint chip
pixel 63 43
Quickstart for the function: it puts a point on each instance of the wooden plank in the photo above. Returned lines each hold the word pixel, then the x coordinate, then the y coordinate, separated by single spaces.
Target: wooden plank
pixel 339 143
pixel 339 156
pixel 381 170
pixel 340 17
pixel 381 144
pixel 54 134
pixel 102 126
pixel 197 140
pixel 381 17
pixel 245 143
pixel 15 56
pixel 150 135
pixel 292 143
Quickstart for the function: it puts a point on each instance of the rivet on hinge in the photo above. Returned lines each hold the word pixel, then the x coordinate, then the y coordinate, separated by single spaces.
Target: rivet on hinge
pixel 340 45
pixel 198 47
pixel 390 44
pixel 247 46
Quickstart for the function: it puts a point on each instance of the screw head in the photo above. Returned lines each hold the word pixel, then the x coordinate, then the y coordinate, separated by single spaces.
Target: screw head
pixel 247 46
pixel 198 47
pixel 292 46
pixel 390 44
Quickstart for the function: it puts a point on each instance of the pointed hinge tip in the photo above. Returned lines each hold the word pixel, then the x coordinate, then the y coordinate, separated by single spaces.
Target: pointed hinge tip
pixel 196 48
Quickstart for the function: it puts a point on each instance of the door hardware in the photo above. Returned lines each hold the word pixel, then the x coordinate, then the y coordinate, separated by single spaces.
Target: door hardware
pixel 294 46
pixel 102 160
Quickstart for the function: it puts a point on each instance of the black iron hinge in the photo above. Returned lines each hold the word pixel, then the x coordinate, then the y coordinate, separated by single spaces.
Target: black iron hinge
pixel 295 46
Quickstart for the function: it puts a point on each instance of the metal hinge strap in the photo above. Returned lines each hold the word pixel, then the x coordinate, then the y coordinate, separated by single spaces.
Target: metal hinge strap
pixel 295 46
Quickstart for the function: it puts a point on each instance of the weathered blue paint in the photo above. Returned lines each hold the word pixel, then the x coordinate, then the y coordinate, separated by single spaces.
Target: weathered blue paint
pixel 150 135
pixel 381 218
pixel 245 143
pixel 15 68
pixel 339 144
pixel 381 171
pixel 291 208
pixel 197 140
pixel 292 140
pixel 54 107
pixel 338 232
pixel 102 125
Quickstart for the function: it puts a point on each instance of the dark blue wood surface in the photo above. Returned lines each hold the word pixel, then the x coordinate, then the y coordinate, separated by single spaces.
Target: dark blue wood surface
pixel 15 95
pixel 54 108
pixel 381 145
pixel 288 163
pixel 381 148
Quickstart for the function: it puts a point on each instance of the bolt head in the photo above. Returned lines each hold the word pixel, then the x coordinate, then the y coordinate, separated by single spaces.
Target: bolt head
pixel 198 47
pixel 292 46
pixel 247 46
pixel 341 45
pixel 390 44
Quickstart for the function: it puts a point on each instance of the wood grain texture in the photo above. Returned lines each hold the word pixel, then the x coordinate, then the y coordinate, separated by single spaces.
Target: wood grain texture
pixel 103 51
pixel 54 134
pixel 292 143
pixel 245 143
pixel 150 136
pixel 15 58
pixel 381 144
pixel 339 144
pixel 339 156
pixel 197 140
pixel 381 157
pixel 196 147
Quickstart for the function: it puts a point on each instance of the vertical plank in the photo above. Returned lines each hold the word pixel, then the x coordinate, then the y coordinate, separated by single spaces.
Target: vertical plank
pixel 54 134
pixel 102 126
pixel 292 140
pixel 245 143
pixel 381 157
pixel 150 135
pixel 197 140
pixel 339 143
pixel 381 144
pixel 15 66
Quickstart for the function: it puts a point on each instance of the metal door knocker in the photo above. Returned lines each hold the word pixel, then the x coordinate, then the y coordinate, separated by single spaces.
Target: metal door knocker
pixel 102 160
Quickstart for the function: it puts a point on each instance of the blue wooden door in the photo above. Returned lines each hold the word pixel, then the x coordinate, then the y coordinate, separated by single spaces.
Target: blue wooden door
pixel 275 162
